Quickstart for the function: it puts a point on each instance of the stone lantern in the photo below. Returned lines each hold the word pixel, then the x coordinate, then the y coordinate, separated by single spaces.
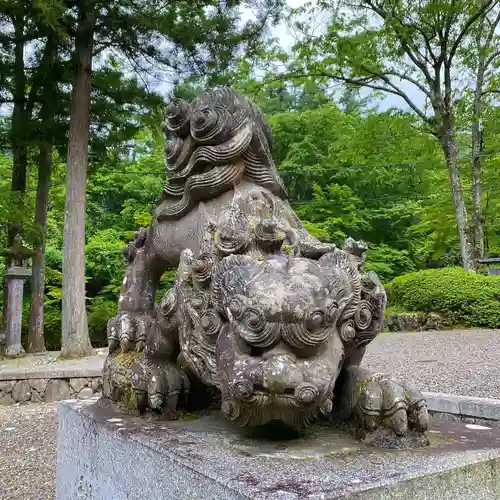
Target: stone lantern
pixel 15 274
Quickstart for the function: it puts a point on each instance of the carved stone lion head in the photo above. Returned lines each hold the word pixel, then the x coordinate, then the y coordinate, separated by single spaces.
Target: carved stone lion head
pixel 280 352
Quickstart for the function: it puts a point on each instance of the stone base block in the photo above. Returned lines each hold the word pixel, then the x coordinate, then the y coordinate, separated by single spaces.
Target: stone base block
pixel 107 455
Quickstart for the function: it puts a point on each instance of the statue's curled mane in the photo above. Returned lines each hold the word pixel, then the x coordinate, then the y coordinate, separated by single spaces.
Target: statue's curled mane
pixel 211 145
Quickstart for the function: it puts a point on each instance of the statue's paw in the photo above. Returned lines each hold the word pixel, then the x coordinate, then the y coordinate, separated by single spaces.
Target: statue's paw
pixel 159 385
pixel 386 402
pixel 128 331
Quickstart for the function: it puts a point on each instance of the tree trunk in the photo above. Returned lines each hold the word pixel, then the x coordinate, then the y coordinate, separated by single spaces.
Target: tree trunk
pixel 477 170
pixel 36 342
pixel 18 144
pixel 448 143
pixel 477 192
pixel 75 337
pixel 19 125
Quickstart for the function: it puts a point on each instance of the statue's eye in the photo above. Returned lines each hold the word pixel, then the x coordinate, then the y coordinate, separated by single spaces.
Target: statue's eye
pixel 255 330
pixel 204 124
pixel 315 320
pixel 310 334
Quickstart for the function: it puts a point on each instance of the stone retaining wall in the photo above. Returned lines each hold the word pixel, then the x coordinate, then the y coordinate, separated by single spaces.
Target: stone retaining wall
pixel 416 322
pixel 47 390
pixel 466 409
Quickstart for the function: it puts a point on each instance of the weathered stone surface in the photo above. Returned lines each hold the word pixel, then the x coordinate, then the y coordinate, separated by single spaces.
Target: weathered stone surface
pixel 85 393
pixel 33 389
pixel 445 403
pixel 6 400
pixel 57 390
pixel 96 384
pixel 14 316
pixel 206 458
pixel 21 391
pixel 405 322
pixel 77 384
pixel 117 378
pixel 51 371
pixel 269 320
pixel 466 406
pixel 35 397
pixel 415 322
pixel 39 384
pixel 7 386
pixel 435 321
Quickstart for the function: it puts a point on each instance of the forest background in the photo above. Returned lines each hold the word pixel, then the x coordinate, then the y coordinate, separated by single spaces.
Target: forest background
pixel 418 180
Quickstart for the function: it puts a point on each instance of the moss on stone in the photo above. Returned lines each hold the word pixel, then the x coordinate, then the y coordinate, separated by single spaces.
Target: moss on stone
pixel 128 398
pixel 287 249
pixel 364 383
pixel 187 417
pixel 119 369
pixel 127 359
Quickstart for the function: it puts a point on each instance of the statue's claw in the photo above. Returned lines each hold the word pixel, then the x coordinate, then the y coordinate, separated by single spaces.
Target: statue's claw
pixel 128 331
pixel 386 402
pixel 159 385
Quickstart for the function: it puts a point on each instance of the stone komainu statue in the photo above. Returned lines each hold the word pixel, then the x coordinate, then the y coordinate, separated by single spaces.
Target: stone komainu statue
pixel 273 321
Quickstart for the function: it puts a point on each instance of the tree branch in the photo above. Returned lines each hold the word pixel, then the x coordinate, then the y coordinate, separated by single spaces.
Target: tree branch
pixel 492 56
pixel 38 77
pixel 490 91
pixel 392 89
pixel 410 49
pixel 398 75
pixel 493 27
pixel 488 5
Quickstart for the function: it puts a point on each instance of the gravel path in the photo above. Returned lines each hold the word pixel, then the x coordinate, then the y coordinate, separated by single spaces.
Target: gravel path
pixel 463 363
pixel 466 363
pixel 28 452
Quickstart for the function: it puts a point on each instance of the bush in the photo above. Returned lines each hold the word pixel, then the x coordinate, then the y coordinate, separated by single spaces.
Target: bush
pixel 465 298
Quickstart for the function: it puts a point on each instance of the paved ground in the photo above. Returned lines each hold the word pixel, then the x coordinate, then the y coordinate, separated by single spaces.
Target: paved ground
pixel 49 364
pixel 463 363
pixel 455 362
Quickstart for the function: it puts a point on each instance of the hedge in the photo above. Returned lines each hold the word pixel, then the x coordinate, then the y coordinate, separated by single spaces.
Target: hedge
pixel 465 298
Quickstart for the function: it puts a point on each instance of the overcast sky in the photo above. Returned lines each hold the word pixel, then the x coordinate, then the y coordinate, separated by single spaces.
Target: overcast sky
pixel 284 34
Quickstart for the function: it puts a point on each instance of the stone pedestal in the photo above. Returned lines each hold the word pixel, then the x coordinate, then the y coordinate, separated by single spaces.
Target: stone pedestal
pixel 106 455
pixel 15 276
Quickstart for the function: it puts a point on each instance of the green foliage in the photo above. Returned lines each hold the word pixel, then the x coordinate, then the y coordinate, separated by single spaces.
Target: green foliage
pixel 99 311
pixel 466 298
pixel 350 170
pixel 334 213
pixel 389 262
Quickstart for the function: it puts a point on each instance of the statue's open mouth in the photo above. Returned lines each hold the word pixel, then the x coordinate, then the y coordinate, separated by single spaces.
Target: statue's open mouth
pixel 303 396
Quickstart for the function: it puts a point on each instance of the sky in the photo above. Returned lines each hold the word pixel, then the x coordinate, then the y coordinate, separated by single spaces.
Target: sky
pixel 283 33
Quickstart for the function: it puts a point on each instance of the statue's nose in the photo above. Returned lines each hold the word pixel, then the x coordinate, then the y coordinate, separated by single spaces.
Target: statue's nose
pixel 280 372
